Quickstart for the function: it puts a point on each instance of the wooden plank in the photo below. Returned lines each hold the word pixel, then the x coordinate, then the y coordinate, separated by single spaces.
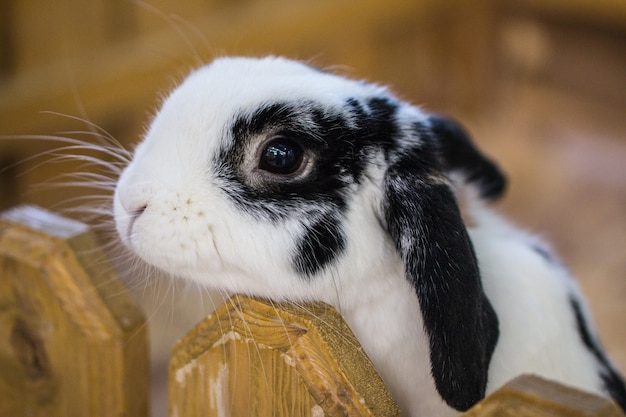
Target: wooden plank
pixel 256 358
pixel 601 12
pixel 532 396
pixel 72 341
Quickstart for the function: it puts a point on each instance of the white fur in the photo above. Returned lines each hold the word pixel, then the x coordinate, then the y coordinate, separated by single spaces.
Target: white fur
pixel 538 332
pixel 191 230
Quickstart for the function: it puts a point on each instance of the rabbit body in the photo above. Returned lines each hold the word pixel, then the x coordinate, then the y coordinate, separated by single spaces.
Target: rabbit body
pixel 270 178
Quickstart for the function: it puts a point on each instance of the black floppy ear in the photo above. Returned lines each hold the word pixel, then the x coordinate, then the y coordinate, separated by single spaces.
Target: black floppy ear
pixel 424 221
pixel 459 153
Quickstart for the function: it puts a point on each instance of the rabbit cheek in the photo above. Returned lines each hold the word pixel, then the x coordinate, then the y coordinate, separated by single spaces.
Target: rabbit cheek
pixel 171 231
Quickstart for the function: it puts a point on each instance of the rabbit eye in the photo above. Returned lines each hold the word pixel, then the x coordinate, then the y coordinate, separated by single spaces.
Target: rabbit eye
pixel 281 156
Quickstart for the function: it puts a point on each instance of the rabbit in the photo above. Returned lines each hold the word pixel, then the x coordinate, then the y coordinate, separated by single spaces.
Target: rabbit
pixel 272 178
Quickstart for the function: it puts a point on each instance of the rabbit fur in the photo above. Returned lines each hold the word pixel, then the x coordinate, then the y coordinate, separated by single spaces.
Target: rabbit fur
pixel 271 178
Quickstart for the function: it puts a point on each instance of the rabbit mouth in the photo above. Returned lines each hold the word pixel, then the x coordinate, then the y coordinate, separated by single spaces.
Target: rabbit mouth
pixel 134 215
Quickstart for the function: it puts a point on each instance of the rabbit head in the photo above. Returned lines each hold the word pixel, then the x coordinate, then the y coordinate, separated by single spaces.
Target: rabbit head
pixel 272 178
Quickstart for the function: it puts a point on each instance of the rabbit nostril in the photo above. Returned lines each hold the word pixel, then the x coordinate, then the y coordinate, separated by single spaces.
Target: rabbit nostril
pixel 134 215
pixel 138 212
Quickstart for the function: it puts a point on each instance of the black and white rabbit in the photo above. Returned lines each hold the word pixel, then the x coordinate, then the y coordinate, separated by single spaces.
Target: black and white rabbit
pixel 270 178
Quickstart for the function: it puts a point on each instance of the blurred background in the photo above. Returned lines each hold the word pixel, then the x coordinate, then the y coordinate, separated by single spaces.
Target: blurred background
pixel 541 84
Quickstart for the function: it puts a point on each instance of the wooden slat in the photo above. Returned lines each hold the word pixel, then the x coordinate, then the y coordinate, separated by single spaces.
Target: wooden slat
pixel 600 12
pixel 72 342
pixel 532 396
pixel 252 358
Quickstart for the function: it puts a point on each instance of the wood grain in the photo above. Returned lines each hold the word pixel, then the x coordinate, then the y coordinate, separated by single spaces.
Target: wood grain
pixel 532 396
pixel 254 358
pixel 72 342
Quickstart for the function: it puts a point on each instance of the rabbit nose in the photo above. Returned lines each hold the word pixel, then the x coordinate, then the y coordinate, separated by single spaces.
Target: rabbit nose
pixel 135 199
pixel 137 212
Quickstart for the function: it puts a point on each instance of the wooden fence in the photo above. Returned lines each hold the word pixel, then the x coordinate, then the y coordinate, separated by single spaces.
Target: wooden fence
pixel 73 343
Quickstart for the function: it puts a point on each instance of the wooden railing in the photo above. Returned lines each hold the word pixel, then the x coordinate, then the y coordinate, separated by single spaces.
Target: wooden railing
pixel 72 343
pixel 269 360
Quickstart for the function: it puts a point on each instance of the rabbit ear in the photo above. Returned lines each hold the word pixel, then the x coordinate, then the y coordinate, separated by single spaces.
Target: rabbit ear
pixel 425 224
pixel 459 154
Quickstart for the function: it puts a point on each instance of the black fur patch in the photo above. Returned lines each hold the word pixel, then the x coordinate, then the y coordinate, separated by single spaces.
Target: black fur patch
pixel 337 143
pixel 342 141
pixel 424 221
pixel 459 153
pixel 613 382
pixel 321 243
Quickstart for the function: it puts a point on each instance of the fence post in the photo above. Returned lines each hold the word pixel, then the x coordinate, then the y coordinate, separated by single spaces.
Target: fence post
pixel 533 396
pixel 256 358
pixel 72 341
